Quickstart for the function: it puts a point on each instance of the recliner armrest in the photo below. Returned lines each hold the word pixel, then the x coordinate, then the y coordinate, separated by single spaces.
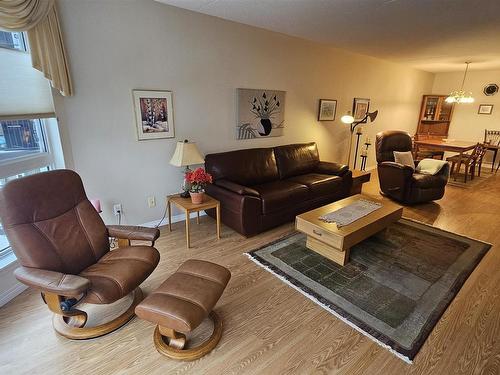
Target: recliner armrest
pixel 391 164
pixel 332 168
pixel 132 232
pixel 237 188
pixel 53 282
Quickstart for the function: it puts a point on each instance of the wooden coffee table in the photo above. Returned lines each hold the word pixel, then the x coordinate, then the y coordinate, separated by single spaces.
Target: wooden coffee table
pixel 334 243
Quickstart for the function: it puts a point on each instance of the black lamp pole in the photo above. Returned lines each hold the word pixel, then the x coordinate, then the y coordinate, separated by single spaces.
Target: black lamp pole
pixel 372 116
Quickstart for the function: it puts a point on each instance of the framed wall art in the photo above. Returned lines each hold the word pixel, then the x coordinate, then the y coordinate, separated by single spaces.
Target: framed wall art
pixel 261 113
pixel 327 109
pixel 153 114
pixel 485 109
pixel 360 108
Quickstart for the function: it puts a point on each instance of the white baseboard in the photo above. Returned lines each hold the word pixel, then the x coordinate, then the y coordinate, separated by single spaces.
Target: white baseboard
pixel 11 293
pixel 164 221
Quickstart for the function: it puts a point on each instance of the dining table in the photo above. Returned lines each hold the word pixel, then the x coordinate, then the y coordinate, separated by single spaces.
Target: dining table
pixel 446 145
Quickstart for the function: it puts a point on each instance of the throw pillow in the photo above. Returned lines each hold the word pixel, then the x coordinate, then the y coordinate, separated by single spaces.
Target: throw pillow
pixel 405 158
pixel 430 166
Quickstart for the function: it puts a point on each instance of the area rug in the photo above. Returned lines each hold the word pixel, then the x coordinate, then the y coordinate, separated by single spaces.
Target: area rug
pixel 458 180
pixel 395 287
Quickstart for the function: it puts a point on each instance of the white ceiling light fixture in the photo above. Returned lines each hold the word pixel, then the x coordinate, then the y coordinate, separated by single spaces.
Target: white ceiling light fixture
pixel 460 96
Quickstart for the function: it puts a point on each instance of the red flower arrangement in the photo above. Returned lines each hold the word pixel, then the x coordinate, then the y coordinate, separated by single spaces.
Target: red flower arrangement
pixel 198 179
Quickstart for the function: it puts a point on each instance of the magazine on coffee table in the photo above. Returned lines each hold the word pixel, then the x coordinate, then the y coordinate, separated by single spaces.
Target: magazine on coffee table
pixel 349 214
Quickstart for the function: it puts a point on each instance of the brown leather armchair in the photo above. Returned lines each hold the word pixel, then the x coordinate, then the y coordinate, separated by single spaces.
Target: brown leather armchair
pixel 401 182
pixel 63 247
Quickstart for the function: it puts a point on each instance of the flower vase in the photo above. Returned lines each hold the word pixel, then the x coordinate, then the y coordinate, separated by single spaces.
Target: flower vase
pixel 197 198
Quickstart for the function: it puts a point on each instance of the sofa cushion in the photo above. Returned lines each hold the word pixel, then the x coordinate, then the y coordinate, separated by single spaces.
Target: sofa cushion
pixel 245 167
pixel 278 195
pixel 318 184
pixel 426 181
pixel 296 159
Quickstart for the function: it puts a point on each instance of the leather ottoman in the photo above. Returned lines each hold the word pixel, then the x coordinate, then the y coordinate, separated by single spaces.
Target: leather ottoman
pixel 181 303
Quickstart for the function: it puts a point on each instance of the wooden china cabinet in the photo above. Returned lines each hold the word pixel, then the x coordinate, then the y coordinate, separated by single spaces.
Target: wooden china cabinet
pixel 433 123
pixel 435 117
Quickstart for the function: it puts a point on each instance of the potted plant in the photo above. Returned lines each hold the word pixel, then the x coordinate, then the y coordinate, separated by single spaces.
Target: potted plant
pixel 198 180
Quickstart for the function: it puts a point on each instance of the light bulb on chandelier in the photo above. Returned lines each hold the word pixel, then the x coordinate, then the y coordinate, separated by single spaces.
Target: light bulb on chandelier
pixel 460 96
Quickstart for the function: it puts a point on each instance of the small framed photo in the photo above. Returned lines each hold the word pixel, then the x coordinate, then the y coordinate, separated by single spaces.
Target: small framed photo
pixel 327 109
pixel 153 114
pixel 360 108
pixel 485 109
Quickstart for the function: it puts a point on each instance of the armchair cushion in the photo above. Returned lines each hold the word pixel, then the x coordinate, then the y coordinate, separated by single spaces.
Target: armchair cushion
pixel 430 166
pixel 53 282
pixel 119 272
pixel 237 188
pixel 427 181
pixel 133 232
pixel 405 158
pixel 332 168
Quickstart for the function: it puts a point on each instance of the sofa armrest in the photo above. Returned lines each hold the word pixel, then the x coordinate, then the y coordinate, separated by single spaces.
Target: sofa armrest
pixel 332 168
pixel 132 232
pixel 53 282
pixel 240 212
pixel 237 188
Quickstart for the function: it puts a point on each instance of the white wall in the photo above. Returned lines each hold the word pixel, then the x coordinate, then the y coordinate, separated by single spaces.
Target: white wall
pixel 466 123
pixel 115 46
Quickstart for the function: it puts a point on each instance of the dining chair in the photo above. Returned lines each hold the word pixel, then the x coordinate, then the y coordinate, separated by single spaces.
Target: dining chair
pixel 420 153
pixel 479 160
pixel 468 160
pixel 493 138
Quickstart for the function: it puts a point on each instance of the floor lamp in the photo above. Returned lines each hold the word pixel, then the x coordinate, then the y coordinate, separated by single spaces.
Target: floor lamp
pixel 348 119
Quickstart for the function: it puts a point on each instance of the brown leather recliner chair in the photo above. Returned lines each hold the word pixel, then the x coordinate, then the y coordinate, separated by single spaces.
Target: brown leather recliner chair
pixel 63 247
pixel 401 182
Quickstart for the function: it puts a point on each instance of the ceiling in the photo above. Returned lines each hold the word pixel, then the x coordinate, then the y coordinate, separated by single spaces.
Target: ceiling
pixel 432 35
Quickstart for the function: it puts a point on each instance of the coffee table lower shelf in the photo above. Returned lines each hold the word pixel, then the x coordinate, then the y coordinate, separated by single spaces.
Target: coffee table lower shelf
pixel 337 255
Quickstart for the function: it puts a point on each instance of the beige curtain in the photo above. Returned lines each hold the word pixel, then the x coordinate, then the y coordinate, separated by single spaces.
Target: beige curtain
pixel 39 18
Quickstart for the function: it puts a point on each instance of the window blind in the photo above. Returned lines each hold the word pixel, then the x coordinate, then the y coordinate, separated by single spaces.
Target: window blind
pixel 24 91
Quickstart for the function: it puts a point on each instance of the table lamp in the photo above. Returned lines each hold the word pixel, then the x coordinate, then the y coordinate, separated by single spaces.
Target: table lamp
pixel 186 153
pixel 349 119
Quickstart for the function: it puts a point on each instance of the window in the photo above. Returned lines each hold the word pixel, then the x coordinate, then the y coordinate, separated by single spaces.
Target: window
pixel 25 149
pixel 19 138
pixel 13 40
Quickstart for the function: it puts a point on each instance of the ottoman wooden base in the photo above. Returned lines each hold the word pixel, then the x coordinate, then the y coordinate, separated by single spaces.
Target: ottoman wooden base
pixel 171 343
pixel 181 303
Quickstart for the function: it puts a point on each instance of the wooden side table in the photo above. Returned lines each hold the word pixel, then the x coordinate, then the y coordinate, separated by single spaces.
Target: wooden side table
pixel 187 206
pixel 358 179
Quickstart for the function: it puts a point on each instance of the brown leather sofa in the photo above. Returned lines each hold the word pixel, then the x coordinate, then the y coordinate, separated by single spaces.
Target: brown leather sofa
pixel 261 188
pixel 63 248
pixel 401 182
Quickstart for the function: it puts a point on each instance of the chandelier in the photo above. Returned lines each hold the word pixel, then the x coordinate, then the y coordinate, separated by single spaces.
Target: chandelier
pixel 460 96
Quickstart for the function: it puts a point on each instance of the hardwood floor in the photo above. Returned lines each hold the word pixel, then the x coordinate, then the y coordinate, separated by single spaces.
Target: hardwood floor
pixel 269 328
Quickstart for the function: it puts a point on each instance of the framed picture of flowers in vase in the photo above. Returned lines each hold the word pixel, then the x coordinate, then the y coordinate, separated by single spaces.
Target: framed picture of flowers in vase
pixel 261 113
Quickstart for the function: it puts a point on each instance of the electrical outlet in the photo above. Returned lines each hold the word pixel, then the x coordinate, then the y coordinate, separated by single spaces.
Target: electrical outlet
pixel 117 209
pixel 151 202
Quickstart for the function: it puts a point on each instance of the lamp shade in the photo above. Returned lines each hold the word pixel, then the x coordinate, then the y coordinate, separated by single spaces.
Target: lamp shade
pixel 347 119
pixel 186 153
pixel 373 115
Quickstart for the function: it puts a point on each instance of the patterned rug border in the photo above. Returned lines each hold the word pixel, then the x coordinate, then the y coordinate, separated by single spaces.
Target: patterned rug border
pixel 374 335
